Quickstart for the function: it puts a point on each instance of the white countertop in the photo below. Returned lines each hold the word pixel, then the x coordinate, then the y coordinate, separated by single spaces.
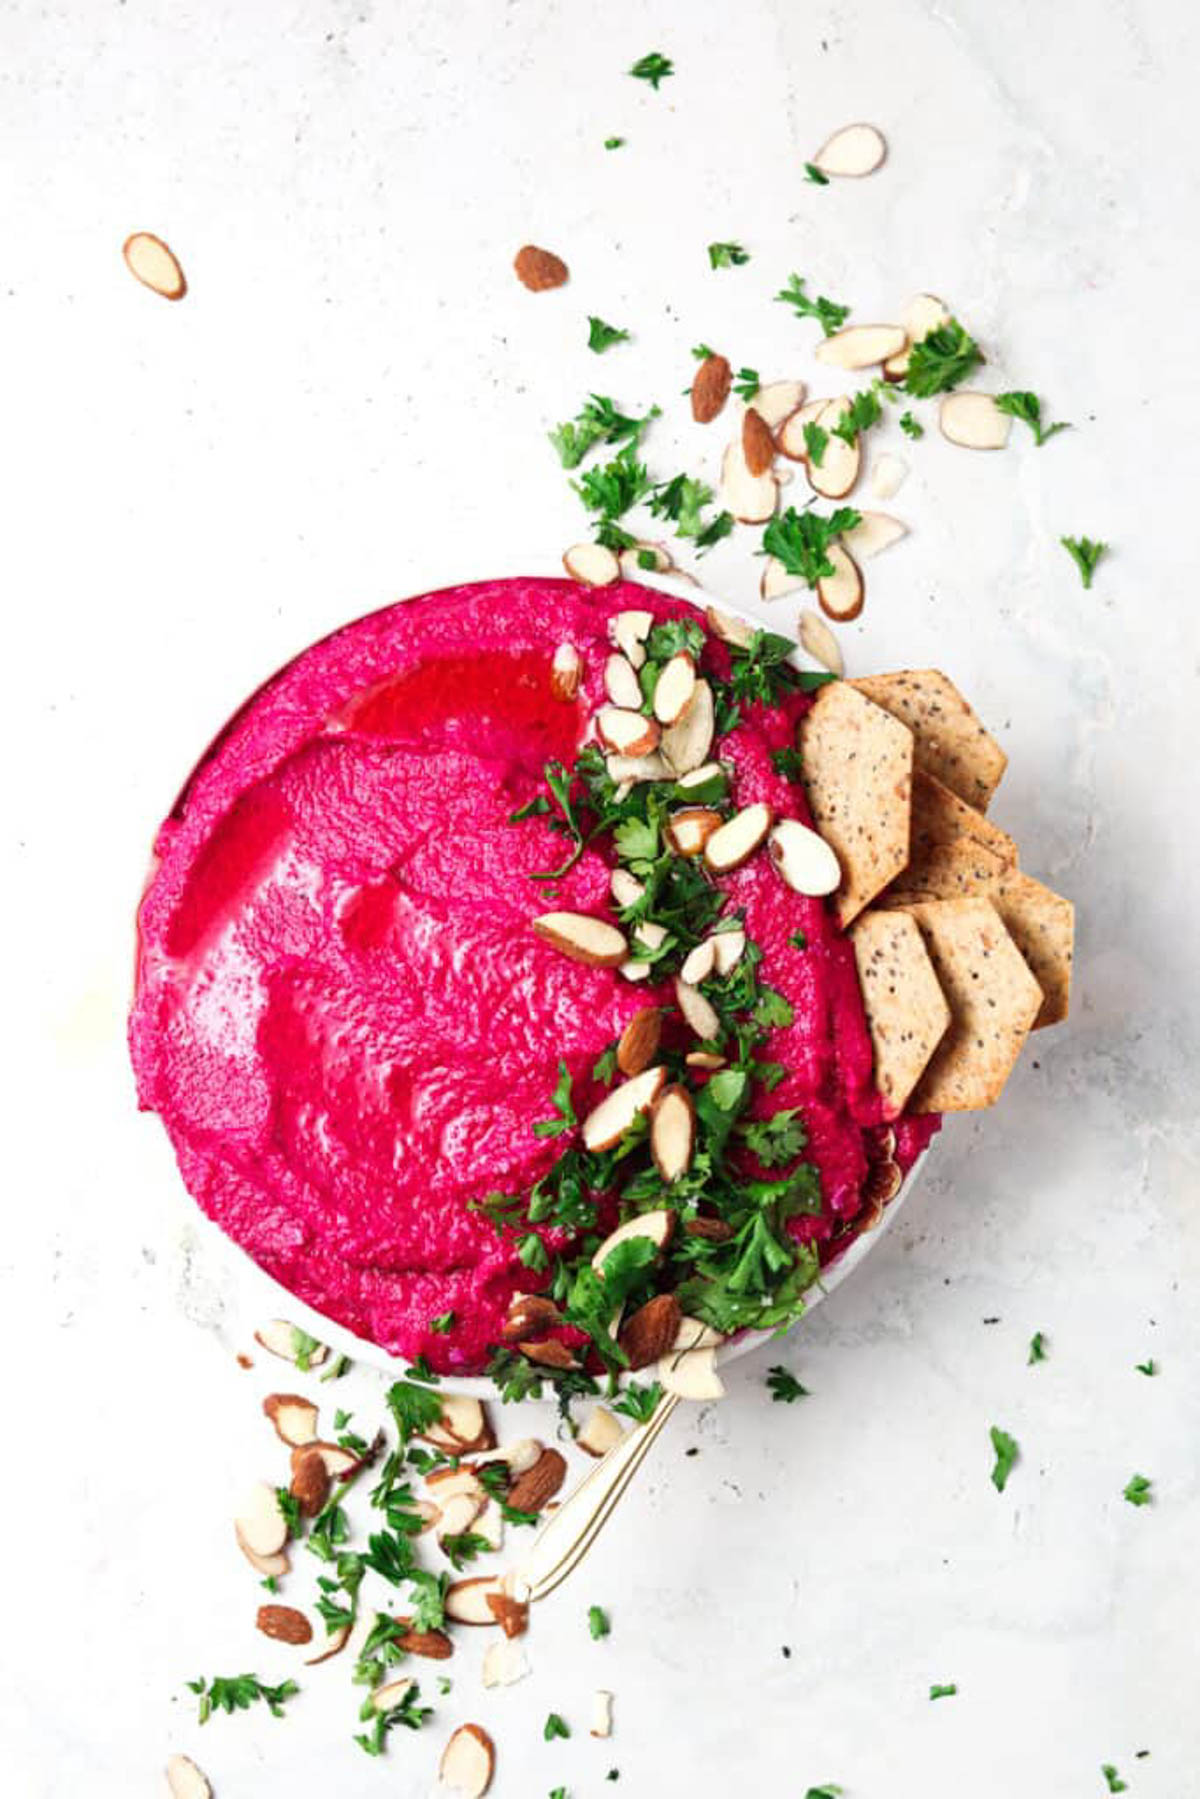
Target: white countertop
pixel 349 406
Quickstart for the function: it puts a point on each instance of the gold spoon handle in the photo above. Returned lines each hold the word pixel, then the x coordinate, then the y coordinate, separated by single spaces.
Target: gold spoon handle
pixel 565 1538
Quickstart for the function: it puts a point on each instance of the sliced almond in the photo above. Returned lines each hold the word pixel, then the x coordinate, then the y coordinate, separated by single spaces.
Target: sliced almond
pixel 286 1340
pixel 629 631
pixel 260 1524
pixel 490 1525
pixel 758 445
pixel 728 949
pixel 705 1059
pixel 874 532
pixel 693 1333
pixel 625 888
pixel 689 829
pixel 566 672
pixel 790 437
pixel 529 1315
pixel 699 963
pixel 338 1462
pixel 463 1427
pixel 602 1430
pixel 271 1567
pixel 750 498
pixel 639 1041
pixel 710 388
pixel 333 1645
pixel 593 564
pixel 583 938
pixel 467 1600
pixel 621 683
pixel 699 1014
pixel 802 858
pixel 658 1225
pixel 519 1455
pixel 648 936
pixel 861 346
pixel 510 1606
pixel 923 314
pixel 428 1513
pixel 855 150
pixel 154 264
pixel 468 1761
pixel 449 1484
pixel 633 769
pixel 310 1482
pixel 602 1704
pixel 538 1485
pixel 776 400
pixel 391 1694
pixel 699 777
pixel 841 594
pixel 550 1354
pixel 185 1779
pixel 974 421
pixel 458 1515
pixel 675 688
pixel 729 629
pixel 685 744
pixel 838 470
pixel 776 580
pixel 608 1122
pixel 632 566
pixel 504 1663
pixel 738 838
pixel 673 1132
pixel 626 733
pixel 820 642
pixel 888 475
pixel 692 1375
pixel 284 1624
pixel 294 1418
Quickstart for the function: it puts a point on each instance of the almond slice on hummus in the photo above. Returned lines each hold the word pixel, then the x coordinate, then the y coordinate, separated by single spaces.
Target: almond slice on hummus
pixel 566 672
pixel 685 744
pixel 689 829
pixel 857 774
pixel 658 1226
pixel 675 688
pixel 608 1122
pixel 738 838
pixel 699 1013
pixel 592 941
pixel 639 1041
pixel 628 632
pixel 626 733
pixel 673 1132
pixel 803 859
pixel 621 683
pixel 699 963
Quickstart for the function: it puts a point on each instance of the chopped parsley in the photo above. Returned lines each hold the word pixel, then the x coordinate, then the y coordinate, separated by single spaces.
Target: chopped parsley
pixel 863 411
pixel 828 314
pixel 1028 408
pixel 1037 1348
pixel 746 383
pixel 682 500
pixel 238 1692
pixel 817 176
pixel 801 540
pixel 555 1726
pixel 598 1624
pixel 940 360
pixel 727 255
pixel 602 336
pixel 783 1385
pixel 561 1100
pixel 464 1546
pixel 598 421
pixel 443 1324
pixel 612 488
pixel 1137 1490
pixel 798 940
pixel 614 143
pixel 828 1791
pixel 653 68
pixel 815 441
pixel 1150 1367
pixel 910 426
pixel 639 1403
pixel 304 1348
pixel 414 1408
pixel 1006 1456
pixel 788 763
pixel 289 1505
pixel 1112 1779
pixel 943 1692
pixel 408 1711
pixel 1085 554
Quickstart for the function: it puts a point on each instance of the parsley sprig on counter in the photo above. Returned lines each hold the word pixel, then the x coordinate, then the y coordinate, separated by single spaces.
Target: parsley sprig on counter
pixel 828 314
pixel 238 1692
pixel 801 540
pixel 941 359
pixel 1026 407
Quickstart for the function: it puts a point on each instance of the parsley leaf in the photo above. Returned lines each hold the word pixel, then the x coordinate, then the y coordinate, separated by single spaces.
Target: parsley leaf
pixel 561 1100
pixel 817 176
pixel 1028 408
pixel 1113 1780
pixel 746 383
pixel 776 1140
pixel 1138 1490
pixel 555 1726
pixel 727 255
pixel 940 360
pixel 463 1547
pixel 815 440
pixel 1085 554
pixel 783 1385
pixel 289 1505
pixel 943 1692
pixel 304 1348
pixel 614 143
pixel 801 540
pixel 772 1010
pixel 788 763
pixel 1006 1455
pixel 681 500
pixel 828 1791
pixel 238 1692
pixel 443 1324
pixel 597 421
pixel 616 486
pixel 910 426
pixel 414 1408
pixel 718 527
pixel 601 336
pixel 1150 1367
pixel 653 68
pixel 798 940
pixel 639 1402
pixel 829 315
pixel 408 1712
pixel 598 1624
pixel 863 411
pixel 1037 1348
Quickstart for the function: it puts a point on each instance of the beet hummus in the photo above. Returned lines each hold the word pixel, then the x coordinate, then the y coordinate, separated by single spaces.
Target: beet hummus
pixel 344 1018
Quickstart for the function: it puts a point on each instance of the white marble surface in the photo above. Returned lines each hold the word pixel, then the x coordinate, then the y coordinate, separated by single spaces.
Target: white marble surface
pixel 348 406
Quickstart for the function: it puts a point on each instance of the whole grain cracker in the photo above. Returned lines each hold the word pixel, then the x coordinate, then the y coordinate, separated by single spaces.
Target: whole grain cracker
pixel 1042 925
pixel 939 816
pixel 856 766
pixel 907 1012
pixel 949 740
pixel 946 871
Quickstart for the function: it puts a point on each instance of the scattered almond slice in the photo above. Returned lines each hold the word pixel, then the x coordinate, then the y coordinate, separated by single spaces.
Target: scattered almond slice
pixel 539 1484
pixel 284 1624
pixel 820 642
pixel 861 346
pixel 284 1339
pixel 602 1705
pixel 841 594
pixel 699 1014
pixel 468 1761
pixel 639 1041
pixel 310 1482
pixel 333 1645
pixel 260 1524
pixel 449 1484
pixel 463 1426
pixel 566 672
pixel 750 498
pixel 693 1333
pixel 692 1375
pixel 776 580
pixel 874 532
pixel 688 830
pixel 632 568
pixel 758 445
pixel 730 630
pixel 458 1515
pixel 271 1567
pixel 391 1694
pixel 706 1059
pixel 658 1225
pixel 602 1430
pixel 673 1132
pixel 294 1418
pixel 592 941
pixel 520 1455
pixel 637 768
pixel 803 859
pixel 923 314
pixel 539 269
pixel 428 1513
pixel 185 1779
pixel 627 733
pixel 685 744
pixel 593 564
pixel 621 683
pixel 790 437
pixel 625 888
pixel 888 475
pixel 728 949
pixel 608 1122
pixel 338 1462
pixel 628 632
pixel 776 400
pixel 489 1525
pixel 710 388
pixel 154 264
pixel 675 689
pixel 646 936
pixel 854 150
pixel 974 421
pixel 738 838
pixel 838 470
pixel 504 1663
pixel 467 1600
pixel 699 963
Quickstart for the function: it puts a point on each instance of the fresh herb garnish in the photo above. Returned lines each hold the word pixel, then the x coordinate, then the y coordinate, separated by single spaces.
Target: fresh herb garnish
pixel 612 488
pixel 815 441
pixel 1028 408
pixel 746 383
pixel 555 1726
pixel 943 1692
pixel 561 1101
pixel 304 1348
pixel 464 1546
pixel 910 426
pixel 828 1791
pixel 1150 1367
pixel 597 421
pixel 940 360
pixel 238 1692
pixel 638 1402
pixel 817 176
pixel 653 68
pixel 828 314
pixel 801 540
pixel 863 411
pixel 727 255
pixel 798 940
pixel 340 1365
pixel 443 1324
pixel 783 1385
pixel 614 143
pixel 1137 1490
pixel 1085 554
pixel 1113 1780
pixel 1006 1456
pixel 598 1624
pixel 408 1711
pixel 414 1408
pixel 1037 1348
pixel 289 1505
pixel 601 336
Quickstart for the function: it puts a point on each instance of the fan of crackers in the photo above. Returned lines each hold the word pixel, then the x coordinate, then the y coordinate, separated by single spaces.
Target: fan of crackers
pixel 960 954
